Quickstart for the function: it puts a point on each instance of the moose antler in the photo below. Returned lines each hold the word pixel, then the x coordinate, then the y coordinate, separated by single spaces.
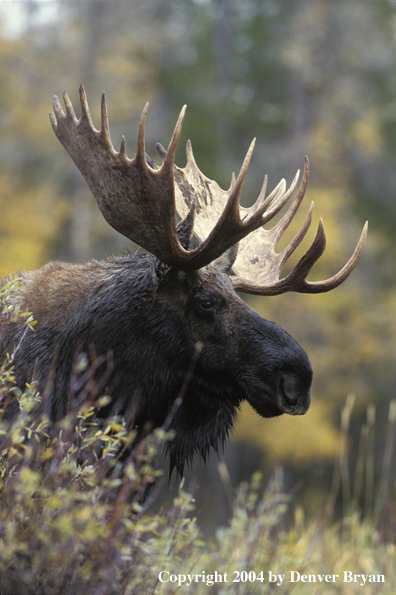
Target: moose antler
pixel 257 266
pixel 253 274
pixel 140 200
pixel 135 199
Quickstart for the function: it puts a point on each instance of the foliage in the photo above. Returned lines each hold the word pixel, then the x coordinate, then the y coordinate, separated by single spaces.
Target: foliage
pixel 73 527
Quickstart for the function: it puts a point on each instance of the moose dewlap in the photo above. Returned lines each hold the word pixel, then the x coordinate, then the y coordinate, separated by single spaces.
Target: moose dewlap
pixel 147 313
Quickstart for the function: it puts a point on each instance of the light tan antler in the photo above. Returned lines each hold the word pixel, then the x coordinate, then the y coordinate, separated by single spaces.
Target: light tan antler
pixel 257 266
pixel 140 201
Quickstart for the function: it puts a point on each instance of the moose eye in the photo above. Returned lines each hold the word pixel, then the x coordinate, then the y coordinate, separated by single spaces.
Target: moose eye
pixel 206 305
pixel 205 309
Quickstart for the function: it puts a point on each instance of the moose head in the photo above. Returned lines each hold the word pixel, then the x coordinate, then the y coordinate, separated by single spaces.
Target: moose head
pixel 158 313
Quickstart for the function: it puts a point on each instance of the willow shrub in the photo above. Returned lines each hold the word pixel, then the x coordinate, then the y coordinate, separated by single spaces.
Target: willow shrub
pixel 72 521
pixel 77 528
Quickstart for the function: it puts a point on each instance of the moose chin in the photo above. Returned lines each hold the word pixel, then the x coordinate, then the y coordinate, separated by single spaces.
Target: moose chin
pixel 171 314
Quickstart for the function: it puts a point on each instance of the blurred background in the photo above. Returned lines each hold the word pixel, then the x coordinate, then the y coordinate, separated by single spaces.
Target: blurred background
pixel 306 77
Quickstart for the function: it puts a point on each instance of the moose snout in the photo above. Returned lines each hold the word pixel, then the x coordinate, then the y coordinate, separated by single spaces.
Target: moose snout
pixel 293 398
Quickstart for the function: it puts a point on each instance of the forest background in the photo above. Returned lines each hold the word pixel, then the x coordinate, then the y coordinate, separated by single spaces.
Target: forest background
pixel 306 77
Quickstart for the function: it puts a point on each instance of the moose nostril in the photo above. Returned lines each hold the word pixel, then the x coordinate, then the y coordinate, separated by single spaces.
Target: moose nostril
pixel 288 393
pixel 293 398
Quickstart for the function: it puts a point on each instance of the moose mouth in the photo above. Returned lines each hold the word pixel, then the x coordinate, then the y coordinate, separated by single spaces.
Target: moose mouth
pixel 274 401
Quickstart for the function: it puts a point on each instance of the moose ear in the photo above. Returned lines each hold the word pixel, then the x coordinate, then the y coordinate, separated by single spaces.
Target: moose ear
pixel 161 270
pixel 226 260
pixel 185 228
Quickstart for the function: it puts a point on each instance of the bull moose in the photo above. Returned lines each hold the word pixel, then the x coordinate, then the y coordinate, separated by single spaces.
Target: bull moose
pixel 156 313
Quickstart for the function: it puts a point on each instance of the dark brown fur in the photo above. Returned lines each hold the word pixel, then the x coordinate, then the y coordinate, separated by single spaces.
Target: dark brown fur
pixel 150 319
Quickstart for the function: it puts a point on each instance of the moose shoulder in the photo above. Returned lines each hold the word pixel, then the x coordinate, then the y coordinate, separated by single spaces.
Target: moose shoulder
pixel 171 314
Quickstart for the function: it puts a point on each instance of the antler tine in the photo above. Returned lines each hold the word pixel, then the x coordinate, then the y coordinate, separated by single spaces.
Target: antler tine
pixel 105 130
pixel 341 276
pixel 298 238
pixel 284 223
pixel 279 200
pixel 54 117
pixel 141 149
pixel 170 154
pixel 307 261
pixel 69 106
pixel 274 199
pixel 233 201
pixel 297 278
pixel 263 190
pixel 269 206
pixel 85 113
